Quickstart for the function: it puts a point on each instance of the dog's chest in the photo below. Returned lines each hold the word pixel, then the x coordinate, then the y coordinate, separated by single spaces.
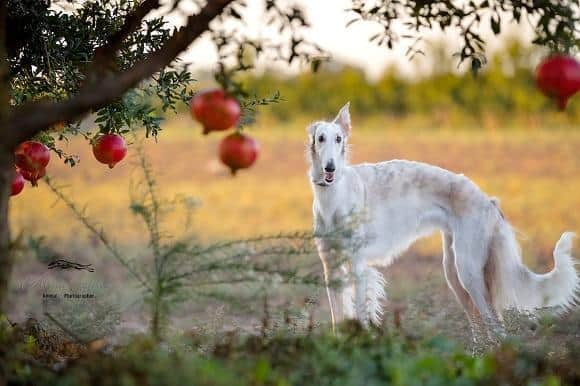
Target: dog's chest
pixel 334 207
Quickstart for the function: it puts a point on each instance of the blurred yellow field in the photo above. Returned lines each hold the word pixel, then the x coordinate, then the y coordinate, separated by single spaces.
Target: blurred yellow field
pixel 534 172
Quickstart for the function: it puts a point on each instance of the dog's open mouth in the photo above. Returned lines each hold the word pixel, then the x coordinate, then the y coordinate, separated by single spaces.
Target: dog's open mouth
pixel 329 177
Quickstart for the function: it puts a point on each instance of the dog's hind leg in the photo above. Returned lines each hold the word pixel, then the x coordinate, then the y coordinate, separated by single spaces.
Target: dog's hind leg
pixel 454 284
pixel 471 251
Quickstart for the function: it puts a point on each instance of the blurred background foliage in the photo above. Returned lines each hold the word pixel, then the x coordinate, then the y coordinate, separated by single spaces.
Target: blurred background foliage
pixel 445 92
pixel 446 116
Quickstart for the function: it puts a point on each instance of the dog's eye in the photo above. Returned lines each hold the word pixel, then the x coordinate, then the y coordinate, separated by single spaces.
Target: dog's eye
pixel 338 139
pixel 321 138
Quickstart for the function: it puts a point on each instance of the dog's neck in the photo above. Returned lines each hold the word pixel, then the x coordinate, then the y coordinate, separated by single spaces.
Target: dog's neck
pixel 321 184
pixel 331 201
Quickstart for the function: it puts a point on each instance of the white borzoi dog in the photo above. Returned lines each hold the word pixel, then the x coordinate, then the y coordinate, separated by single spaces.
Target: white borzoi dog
pixel 396 202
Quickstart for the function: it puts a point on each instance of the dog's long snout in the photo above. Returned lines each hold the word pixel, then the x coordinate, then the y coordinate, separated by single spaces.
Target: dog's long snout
pixel 330 168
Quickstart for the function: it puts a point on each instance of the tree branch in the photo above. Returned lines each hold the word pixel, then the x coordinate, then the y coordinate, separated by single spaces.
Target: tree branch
pixel 104 56
pixel 30 119
pixel 132 22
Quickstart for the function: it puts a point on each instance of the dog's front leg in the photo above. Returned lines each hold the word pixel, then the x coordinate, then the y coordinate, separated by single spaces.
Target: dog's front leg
pixel 327 258
pixel 360 297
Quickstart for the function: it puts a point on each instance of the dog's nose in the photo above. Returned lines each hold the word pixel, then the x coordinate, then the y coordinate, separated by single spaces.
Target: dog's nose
pixel 329 168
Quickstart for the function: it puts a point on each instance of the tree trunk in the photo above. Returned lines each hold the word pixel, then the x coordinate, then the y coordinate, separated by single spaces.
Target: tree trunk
pixel 6 166
pixel 6 258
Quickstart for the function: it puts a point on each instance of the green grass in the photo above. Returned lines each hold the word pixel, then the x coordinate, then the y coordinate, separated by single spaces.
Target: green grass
pixel 355 357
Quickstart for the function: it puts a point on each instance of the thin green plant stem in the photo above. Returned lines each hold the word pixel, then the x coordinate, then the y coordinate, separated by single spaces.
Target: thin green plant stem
pixel 99 233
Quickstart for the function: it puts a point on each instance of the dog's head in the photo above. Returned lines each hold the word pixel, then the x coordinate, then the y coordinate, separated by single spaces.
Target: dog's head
pixel 327 148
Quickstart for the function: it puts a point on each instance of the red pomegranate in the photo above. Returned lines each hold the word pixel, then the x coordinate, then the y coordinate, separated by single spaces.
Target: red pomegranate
pixel 17 183
pixel 32 156
pixel 238 151
pixel 558 77
pixel 109 149
pixel 33 176
pixel 215 110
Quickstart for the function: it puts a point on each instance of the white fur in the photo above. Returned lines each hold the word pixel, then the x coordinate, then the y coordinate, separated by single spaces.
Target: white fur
pixel 396 202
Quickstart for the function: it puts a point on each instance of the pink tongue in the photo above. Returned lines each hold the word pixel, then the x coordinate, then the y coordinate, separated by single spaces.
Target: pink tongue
pixel 329 176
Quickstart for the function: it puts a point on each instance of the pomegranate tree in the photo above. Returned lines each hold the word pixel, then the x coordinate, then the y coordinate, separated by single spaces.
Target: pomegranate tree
pixel 216 110
pixel 558 77
pixel 238 151
pixel 109 149
pixel 17 183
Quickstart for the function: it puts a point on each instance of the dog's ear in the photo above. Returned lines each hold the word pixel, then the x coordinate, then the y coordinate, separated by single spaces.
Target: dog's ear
pixel 343 119
pixel 312 131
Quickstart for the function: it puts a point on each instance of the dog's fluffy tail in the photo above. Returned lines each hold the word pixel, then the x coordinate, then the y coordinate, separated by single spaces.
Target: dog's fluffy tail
pixel 513 285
